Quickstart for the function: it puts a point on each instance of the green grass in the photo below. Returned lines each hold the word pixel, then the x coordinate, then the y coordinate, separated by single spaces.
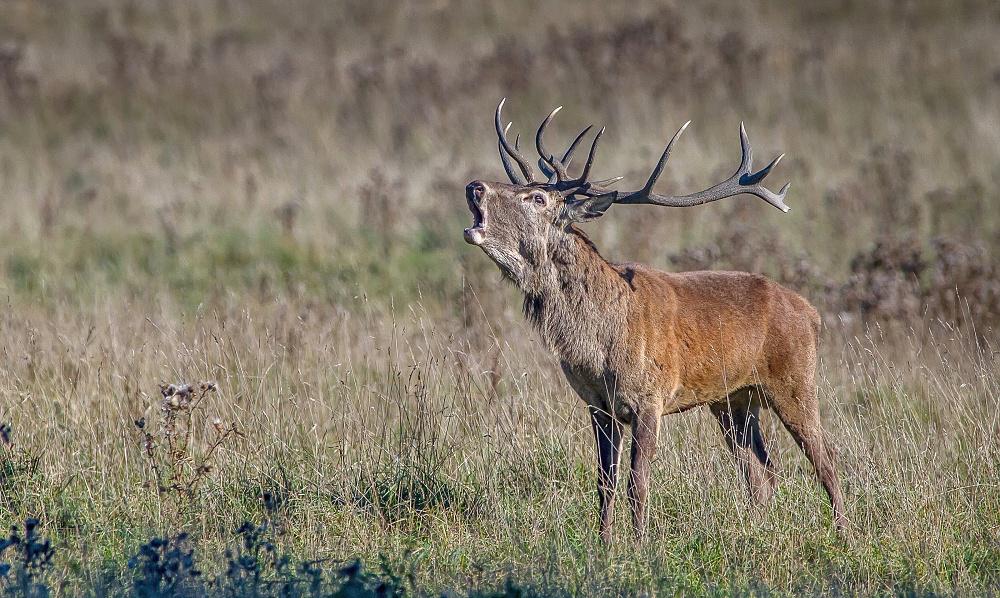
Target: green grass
pixel 263 261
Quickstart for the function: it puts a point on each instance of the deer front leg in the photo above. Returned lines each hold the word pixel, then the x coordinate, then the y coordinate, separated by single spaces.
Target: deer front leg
pixel 645 429
pixel 608 434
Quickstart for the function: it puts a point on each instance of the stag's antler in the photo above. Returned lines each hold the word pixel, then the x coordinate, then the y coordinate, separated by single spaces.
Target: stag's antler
pixel 554 169
pixel 744 180
pixel 506 149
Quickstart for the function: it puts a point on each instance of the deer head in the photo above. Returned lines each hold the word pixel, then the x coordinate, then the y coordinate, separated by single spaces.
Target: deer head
pixel 518 224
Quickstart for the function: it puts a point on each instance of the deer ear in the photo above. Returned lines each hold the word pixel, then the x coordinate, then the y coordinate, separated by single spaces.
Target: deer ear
pixel 588 208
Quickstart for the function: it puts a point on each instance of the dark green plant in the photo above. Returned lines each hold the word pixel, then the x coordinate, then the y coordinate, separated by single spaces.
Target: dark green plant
pixel 165 567
pixel 25 574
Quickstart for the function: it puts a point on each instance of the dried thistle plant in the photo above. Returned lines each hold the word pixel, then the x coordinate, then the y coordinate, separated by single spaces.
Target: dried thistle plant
pixel 178 463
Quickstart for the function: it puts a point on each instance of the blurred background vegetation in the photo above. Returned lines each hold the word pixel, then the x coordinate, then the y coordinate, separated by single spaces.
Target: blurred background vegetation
pixel 254 146
pixel 268 194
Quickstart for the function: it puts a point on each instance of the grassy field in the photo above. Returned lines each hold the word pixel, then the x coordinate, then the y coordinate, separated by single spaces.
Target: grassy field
pixel 269 198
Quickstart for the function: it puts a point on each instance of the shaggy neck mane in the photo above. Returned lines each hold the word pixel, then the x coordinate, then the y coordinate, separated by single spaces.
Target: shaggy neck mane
pixel 575 298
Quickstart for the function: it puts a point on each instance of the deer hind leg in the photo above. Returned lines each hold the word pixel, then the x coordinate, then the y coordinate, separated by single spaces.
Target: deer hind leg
pixel 739 418
pixel 608 434
pixel 798 409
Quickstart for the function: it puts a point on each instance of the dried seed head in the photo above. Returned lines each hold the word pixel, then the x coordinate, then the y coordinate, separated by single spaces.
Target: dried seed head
pixel 170 390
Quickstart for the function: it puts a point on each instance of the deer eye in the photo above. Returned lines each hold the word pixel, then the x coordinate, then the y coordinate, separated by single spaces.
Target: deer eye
pixel 538 197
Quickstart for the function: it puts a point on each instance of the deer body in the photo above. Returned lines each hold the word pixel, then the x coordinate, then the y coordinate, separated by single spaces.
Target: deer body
pixel 637 343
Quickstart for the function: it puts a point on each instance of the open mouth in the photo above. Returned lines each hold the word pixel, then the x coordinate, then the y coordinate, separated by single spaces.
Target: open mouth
pixel 476 234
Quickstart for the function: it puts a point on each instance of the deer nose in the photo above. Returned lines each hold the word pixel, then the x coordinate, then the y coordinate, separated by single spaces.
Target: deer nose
pixel 475 191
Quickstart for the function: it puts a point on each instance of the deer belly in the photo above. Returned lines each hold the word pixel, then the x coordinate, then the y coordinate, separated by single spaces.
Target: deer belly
pixel 683 399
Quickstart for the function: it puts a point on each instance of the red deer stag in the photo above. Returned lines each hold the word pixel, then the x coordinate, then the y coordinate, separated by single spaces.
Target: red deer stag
pixel 637 343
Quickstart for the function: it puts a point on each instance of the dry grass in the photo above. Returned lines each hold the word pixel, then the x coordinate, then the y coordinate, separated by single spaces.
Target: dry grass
pixel 270 199
pixel 385 434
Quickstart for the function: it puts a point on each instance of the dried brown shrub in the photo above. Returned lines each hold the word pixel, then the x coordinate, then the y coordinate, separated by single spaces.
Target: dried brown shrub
pixel 17 85
pixel 884 283
pixel 894 281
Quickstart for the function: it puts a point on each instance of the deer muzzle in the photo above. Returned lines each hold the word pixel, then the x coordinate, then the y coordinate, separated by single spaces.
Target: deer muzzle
pixel 476 234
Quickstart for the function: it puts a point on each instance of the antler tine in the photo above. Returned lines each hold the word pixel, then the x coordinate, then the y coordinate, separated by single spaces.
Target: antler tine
pixel 753 179
pixel 555 166
pixel 590 157
pixel 742 181
pixel 562 164
pixel 547 171
pixel 555 169
pixel 514 176
pixel 551 176
pixel 553 173
pixel 746 152
pixel 653 176
pixel 522 163
pixel 581 184
pixel 608 182
pixel 567 156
